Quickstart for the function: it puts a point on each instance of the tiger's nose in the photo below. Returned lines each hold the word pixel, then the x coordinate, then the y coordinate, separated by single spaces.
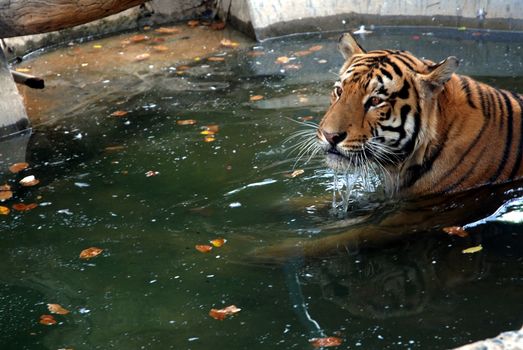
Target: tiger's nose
pixel 334 137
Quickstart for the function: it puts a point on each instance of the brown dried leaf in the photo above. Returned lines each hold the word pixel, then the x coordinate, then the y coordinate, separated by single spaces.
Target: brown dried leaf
pixel 315 48
pixel 142 57
pixel 5 187
pixel 186 122
pixel 17 167
pixel 221 314
pixel 138 38
pixel 114 148
pixel 302 53
pixel 255 53
pixel 47 320
pixel 90 253
pixel 160 48
pixel 203 248
pixel 119 114
pixel 456 231
pixel 57 309
pixel 165 30
pixel 5 195
pixel 256 98
pixel 193 23
pixel 24 207
pixel 218 25
pixel 182 68
pixel 325 342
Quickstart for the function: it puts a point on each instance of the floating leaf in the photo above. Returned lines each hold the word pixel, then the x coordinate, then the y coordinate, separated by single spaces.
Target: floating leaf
pixel 212 128
pixel 142 57
pixel 4 210
pixel 315 48
pixel 114 148
pixel 90 253
pixel 193 23
pixel 296 172
pixel 325 342
pixel 203 248
pixel 255 53
pixel 24 207
pixel 221 314
pixel 57 309
pixel 229 43
pixel 165 30
pixel 472 250
pixel 216 59
pixel 5 195
pixel 119 113
pixel 256 98
pixel 218 242
pixel 218 25
pixel 209 138
pixel 456 231
pixel 302 53
pixel 282 60
pixel 17 167
pixel 152 173
pixel 186 122
pixel 47 320
pixel 29 181
pixel 138 38
pixel 160 48
pixel 292 66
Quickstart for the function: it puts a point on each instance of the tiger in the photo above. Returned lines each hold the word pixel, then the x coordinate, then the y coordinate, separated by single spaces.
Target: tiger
pixel 429 129
pixel 434 134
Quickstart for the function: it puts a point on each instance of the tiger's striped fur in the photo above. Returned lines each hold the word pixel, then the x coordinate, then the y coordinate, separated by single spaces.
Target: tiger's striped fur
pixel 431 130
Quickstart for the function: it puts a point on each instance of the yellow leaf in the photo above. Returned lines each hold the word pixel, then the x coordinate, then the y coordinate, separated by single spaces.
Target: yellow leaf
pixel 57 309
pixel 97 46
pixel 282 60
pixel 472 250
pixel 4 210
pixel 23 70
pixel 256 98
pixel 218 242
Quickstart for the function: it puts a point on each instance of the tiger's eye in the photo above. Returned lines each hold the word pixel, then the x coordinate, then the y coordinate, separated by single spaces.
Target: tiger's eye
pixel 374 101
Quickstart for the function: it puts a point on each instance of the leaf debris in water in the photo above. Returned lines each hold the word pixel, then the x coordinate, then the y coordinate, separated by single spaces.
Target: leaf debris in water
pixel 221 314
pixel 472 250
pixel 17 167
pixel 90 253
pixel 57 309
pixel 456 231
pixel 203 248
pixel 325 342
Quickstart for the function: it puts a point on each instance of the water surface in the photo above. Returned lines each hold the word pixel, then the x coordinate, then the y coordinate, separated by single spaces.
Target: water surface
pixel 151 289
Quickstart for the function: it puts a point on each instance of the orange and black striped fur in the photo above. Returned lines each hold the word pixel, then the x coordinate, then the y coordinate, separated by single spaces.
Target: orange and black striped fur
pixel 429 129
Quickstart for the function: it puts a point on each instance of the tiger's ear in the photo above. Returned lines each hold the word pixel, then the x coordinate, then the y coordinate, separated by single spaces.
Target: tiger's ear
pixel 348 46
pixel 439 74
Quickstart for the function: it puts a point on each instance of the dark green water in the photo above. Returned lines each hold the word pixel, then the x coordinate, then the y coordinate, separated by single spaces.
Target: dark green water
pixel 150 289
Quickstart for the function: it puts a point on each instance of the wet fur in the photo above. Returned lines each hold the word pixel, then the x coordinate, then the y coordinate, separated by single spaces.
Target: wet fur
pixel 434 132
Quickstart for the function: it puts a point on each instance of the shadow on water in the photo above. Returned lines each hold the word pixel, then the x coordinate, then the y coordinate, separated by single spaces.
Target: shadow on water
pixel 386 277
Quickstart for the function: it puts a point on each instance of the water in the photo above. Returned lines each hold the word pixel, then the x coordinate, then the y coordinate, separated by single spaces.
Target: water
pixel 151 289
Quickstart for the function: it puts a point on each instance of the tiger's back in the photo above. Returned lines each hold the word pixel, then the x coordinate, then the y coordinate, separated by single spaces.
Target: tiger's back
pixel 428 129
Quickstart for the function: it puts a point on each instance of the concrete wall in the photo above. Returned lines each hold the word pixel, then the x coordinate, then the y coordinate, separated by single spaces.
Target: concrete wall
pixel 269 18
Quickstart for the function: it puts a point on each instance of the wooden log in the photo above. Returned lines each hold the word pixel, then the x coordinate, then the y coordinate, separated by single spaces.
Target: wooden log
pixel 24 17
pixel 28 80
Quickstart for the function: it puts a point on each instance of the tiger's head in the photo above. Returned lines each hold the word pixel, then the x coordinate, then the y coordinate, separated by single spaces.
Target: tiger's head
pixel 382 107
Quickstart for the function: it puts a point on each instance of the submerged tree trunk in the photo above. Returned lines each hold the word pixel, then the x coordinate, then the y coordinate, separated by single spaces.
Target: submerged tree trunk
pixel 24 17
